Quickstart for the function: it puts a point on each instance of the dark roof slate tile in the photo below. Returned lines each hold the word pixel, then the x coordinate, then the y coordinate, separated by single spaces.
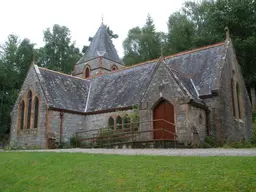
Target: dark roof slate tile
pixel 63 91
pixel 120 89
pixel 203 66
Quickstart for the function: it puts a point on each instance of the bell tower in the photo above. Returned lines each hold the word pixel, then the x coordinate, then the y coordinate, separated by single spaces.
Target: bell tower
pixel 100 57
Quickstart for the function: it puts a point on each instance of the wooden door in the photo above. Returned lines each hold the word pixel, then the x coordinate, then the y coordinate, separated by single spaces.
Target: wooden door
pixel 163 110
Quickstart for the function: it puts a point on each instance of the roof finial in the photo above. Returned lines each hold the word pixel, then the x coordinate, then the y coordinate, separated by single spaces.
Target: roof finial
pixel 102 18
pixel 227 32
pixel 34 58
pixel 161 49
pixel 162 54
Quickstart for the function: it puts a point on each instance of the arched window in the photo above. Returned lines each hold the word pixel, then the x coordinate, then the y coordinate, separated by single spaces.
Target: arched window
pixel 233 98
pixel 113 68
pixel 29 108
pixel 238 101
pixel 36 112
pixel 87 72
pixel 127 122
pixel 111 123
pixel 119 122
pixel 22 113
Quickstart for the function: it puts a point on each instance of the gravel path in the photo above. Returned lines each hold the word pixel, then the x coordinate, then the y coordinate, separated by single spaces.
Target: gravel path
pixel 163 152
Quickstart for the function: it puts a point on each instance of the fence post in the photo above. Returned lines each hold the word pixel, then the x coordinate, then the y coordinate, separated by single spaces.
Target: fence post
pixel 101 139
pixel 175 141
pixel 132 136
pixel 76 139
pixel 162 137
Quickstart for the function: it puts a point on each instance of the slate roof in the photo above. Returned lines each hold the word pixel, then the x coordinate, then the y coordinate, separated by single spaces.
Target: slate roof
pixel 202 65
pixel 63 91
pixel 200 69
pixel 101 42
pixel 121 88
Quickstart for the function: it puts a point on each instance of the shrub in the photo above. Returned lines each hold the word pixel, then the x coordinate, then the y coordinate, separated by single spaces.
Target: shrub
pixel 75 141
pixel 210 141
pixel 254 117
pixel 206 145
pixel 253 140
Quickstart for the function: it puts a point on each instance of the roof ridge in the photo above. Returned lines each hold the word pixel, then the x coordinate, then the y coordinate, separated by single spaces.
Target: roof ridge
pixel 63 74
pixel 122 69
pixel 195 50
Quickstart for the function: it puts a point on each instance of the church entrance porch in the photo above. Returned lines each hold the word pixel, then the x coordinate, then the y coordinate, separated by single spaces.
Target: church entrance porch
pixel 163 117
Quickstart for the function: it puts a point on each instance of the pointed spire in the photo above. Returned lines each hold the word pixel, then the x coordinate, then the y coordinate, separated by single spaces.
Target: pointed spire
pixel 227 32
pixel 101 46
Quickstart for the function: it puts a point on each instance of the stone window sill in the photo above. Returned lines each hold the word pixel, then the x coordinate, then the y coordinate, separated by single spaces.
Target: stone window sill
pixel 28 132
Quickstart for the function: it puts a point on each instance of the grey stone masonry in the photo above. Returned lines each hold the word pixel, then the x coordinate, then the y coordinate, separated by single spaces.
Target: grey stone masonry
pixel 29 136
pixel 163 85
pixel 74 122
pixel 231 126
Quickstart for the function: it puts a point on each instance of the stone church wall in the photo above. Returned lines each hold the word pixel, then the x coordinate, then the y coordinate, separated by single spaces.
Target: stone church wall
pixel 70 124
pixel 33 137
pixel 75 122
pixel 233 128
pixel 214 125
pixel 197 122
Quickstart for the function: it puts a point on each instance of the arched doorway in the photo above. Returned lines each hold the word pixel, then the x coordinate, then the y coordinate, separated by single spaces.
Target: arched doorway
pixel 163 110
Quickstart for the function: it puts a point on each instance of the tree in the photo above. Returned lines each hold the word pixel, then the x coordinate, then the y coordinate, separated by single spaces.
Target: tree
pixel 15 59
pixel 142 43
pixel 202 23
pixel 58 53
pixel 181 33
pixel 111 34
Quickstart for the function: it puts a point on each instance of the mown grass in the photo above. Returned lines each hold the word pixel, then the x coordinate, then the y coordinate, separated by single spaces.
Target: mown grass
pixel 23 171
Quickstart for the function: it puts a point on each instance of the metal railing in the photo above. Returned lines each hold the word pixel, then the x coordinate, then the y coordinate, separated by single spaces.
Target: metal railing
pixel 129 134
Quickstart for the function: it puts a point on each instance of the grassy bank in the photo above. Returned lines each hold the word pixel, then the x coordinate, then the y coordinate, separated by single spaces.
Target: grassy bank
pixel 84 172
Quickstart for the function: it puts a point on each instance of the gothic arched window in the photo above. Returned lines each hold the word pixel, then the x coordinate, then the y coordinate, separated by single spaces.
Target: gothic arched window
pixel 111 123
pixel 29 99
pixel 22 113
pixel 87 72
pixel 233 97
pixel 119 122
pixel 36 111
pixel 238 101
pixel 127 122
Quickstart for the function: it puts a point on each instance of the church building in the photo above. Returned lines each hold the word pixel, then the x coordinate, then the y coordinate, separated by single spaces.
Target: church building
pixel 189 96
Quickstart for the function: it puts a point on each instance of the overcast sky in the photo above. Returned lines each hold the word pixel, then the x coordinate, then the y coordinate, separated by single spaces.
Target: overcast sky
pixel 28 18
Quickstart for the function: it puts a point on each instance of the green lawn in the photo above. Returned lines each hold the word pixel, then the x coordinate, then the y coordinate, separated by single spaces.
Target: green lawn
pixel 85 172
